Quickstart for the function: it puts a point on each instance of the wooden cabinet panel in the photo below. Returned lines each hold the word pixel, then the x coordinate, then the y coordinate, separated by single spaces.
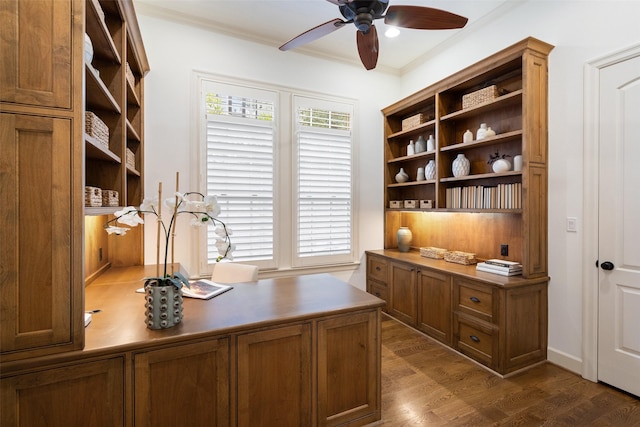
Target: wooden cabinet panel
pixel 434 305
pixel 348 359
pixel 184 385
pixel 475 299
pixel 476 340
pixel 274 377
pixel 377 268
pixel 83 394
pixel 403 303
pixel 37 52
pixel 41 293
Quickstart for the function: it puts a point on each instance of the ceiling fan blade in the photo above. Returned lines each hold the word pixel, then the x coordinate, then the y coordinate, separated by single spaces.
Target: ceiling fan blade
pixel 313 34
pixel 423 18
pixel 339 2
pixel 368 47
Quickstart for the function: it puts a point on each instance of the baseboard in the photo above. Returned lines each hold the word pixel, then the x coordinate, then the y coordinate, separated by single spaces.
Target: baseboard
pixel 564 360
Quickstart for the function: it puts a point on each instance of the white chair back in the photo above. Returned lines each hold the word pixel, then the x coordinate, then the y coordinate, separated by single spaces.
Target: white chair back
pixel 227 272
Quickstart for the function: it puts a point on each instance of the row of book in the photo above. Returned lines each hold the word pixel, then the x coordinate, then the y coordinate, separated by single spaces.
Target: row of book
pixel 500 266
pixel 501 196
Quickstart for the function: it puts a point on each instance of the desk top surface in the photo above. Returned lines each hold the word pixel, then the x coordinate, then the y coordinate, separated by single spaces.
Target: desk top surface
pixel 120 322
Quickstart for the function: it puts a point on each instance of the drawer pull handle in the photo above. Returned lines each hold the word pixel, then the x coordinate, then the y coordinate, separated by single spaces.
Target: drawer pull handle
pixel 474 299
pixel 377 268
pixel 474 338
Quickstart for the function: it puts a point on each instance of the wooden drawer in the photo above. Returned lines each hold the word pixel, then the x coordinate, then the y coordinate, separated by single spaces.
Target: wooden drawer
pixel 475 299
pixel 380 290
pixel 476 341
pixel 377 268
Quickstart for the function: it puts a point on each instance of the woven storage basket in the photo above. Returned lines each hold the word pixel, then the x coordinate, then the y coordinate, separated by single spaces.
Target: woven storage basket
pixel 472 99
pixel 96 128
pixel 431 252
pixel 129 75
pixel 413 121
pixel 92 197
pixel 458 257
pixel 130 159
pixel 110 198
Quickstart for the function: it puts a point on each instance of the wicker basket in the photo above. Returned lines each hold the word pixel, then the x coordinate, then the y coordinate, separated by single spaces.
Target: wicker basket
pixel 92 197
pixel 129 75
pixel 458 257
pixel 413 121
pixel 110 198
pixel 472 99
pixel 130 158
pixel 96 128
pixel 431 252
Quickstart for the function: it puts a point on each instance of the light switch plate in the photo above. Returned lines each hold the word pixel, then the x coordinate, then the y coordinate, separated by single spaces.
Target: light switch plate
pixel 572 224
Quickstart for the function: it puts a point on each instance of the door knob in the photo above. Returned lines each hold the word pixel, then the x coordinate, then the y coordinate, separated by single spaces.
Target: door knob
pixel 607 265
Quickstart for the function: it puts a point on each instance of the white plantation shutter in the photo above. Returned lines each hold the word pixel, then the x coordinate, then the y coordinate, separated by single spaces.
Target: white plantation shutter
pixel 240 159
pixel 324 182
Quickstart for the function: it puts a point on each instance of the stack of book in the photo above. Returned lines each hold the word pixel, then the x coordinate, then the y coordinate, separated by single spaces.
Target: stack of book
pixel 500 266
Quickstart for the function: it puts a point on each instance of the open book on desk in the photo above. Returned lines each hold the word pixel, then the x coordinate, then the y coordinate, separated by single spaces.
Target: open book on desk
pixel 201 289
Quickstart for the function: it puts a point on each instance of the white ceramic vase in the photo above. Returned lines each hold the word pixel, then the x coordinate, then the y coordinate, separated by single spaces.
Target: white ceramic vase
pixel 404 239
pixel 420 145
pixel 430 170
pixel 431 143
pixel 501 165
pixel 467 136
pixel 411 148
pixel 402 176
pixel 517 163
pixel 420 175
pixel 460 166
pixel 482 131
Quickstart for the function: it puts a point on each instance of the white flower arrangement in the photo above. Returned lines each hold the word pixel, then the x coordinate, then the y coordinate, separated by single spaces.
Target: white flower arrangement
pixel 204 211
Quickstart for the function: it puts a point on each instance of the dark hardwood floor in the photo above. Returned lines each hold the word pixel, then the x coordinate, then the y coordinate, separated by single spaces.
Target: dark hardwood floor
pixel 427 384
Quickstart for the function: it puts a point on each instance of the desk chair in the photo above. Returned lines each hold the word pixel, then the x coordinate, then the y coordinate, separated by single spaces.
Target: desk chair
pixel 227 272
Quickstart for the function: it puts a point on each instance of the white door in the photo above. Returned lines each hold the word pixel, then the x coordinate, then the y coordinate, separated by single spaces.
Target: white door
pixel 619 226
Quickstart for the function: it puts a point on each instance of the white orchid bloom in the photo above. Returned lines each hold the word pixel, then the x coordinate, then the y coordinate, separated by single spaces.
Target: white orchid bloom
pixel 220 231
pixel 200 220
pixel 211 205
pixel 129 216
pixel 119 231
pixel 170 202
pixel 149 205
pixel 223 246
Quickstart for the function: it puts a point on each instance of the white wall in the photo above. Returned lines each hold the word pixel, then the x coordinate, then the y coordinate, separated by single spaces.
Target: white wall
pixel 581 31
pixel 175 51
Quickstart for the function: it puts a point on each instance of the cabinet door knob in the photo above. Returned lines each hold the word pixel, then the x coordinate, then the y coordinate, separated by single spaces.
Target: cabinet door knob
pixel 474 338
pixel 377 268
pixel 607 265
pixel 475 299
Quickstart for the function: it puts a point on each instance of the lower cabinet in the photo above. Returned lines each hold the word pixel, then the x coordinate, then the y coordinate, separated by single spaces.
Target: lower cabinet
pixel 80 394
pixel 274 377
pixel 500 323
pixel 184 385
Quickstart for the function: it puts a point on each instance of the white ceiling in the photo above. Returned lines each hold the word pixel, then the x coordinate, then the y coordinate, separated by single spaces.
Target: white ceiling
pixel 274 22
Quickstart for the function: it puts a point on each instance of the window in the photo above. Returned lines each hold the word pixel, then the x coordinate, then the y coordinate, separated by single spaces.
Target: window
pixel 280 165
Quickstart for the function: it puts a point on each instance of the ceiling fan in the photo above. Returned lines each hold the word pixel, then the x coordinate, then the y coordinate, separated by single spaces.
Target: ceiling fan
pixel 362 13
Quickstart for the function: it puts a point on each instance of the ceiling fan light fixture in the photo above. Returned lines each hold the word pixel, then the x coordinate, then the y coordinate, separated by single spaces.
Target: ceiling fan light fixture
pixel 392 32
pixel 363 21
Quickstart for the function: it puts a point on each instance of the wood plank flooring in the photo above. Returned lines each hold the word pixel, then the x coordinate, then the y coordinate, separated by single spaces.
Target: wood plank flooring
pixel 427 384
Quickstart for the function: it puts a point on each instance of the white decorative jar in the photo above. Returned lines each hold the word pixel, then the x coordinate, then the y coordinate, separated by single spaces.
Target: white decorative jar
pixel 402 176
pixel 517 163
pixel 420 145
pixel 460 166
pixel 501 165
pixel 431 143
pixel 404 239
pixel 88 49
pixel 467 136
pixel 430 170
pixel 411 148
pixel 482 131
pixel 420 175
pixel 489 132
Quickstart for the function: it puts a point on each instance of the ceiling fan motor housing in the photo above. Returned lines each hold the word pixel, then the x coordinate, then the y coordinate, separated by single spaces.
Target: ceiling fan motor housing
pixel 362 13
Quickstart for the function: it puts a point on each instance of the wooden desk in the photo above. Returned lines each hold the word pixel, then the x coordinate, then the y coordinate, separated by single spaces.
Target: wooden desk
pixel 293 351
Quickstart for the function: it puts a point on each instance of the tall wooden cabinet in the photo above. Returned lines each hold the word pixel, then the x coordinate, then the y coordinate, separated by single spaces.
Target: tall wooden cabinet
pixel 510 207
pixel 48 158
pixel 41 202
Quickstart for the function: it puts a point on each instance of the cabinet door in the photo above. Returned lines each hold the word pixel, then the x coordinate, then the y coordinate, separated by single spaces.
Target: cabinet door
pixel 434 305
pixel 41 239
pixel 36 52
pixel 85 394
pixel 403 295
pixel 349 369
pixel 185 385
pixel 274 377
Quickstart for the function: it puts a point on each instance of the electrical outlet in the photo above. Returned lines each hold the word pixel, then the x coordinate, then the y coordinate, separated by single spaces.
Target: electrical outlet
pixel 504 250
